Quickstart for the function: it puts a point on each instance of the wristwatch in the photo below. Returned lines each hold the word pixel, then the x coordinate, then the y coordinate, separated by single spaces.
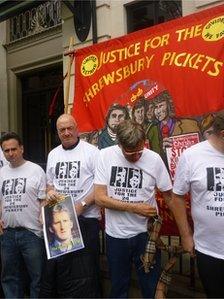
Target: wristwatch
pixel 84 204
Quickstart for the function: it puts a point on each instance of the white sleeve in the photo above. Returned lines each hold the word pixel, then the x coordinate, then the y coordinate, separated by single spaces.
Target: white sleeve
pixel 163 181
pixel 181 184
pixel 101 173
pixel 42 185
pixel 93 159
pixel 50 170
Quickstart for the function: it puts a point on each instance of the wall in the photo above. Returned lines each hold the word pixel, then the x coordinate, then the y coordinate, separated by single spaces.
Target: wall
pixel 3 82
pixel 20 58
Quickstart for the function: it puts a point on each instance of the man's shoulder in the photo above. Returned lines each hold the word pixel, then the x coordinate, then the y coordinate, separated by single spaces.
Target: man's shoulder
pixel 88 146
pixel 110 152
pixel 34 167
pixel 55 149
pixel 197 148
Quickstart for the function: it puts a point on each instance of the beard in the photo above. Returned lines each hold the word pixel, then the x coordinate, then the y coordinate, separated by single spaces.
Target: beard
pixel 113 128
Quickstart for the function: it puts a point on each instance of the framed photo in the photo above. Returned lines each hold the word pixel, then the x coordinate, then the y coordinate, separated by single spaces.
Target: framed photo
pixel 62 233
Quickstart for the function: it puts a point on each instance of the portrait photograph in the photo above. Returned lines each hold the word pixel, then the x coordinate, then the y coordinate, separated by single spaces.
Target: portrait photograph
pixel 62 233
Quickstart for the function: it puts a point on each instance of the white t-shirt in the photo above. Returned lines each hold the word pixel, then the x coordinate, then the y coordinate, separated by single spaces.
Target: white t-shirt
pixel 3 160
pixel 20 189
pixel 131 182
pixel 201 171
pixel 72 171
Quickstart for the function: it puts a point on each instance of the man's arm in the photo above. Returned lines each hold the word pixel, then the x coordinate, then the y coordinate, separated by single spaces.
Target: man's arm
pixel 88 200
pixel 43 202
pixel 178 208
pixel 103 200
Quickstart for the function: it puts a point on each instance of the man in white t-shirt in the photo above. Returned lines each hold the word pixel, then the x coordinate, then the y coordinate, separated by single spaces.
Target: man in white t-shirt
pixel 200 171
pixel 70 171
pixel 127 176
pixel 22 191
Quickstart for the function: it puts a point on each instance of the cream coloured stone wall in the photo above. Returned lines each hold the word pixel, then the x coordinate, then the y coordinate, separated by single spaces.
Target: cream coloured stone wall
pixel 3 82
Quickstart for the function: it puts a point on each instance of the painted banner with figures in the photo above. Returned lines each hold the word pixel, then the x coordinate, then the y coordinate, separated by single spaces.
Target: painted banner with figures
pixel 168 77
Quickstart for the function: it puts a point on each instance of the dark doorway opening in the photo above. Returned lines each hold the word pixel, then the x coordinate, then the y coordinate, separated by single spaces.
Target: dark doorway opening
pixel 38 128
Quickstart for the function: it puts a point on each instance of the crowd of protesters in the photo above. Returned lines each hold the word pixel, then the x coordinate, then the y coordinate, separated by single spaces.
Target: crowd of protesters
pixel 122 179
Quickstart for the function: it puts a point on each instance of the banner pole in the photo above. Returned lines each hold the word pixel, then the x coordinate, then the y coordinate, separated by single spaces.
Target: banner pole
pixel 69 66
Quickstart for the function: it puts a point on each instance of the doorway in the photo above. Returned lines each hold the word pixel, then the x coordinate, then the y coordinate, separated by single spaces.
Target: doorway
pixel 42 103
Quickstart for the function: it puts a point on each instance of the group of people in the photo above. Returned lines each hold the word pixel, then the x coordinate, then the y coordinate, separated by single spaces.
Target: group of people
pixel 123 179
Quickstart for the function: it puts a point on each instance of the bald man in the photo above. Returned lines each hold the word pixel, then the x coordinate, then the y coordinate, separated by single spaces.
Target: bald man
pixel 70 171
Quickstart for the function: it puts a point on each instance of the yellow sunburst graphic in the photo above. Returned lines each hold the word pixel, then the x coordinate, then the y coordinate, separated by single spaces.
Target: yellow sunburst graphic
pixel 89 65
pixel 214 29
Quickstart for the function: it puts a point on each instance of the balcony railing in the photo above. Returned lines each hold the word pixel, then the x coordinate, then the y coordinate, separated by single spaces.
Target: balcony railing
pixel 35 20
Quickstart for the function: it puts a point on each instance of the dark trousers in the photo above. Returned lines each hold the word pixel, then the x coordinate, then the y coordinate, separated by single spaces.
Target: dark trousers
pixel 20 248
pixel 211 272
pixel 76 274
pixel 121 253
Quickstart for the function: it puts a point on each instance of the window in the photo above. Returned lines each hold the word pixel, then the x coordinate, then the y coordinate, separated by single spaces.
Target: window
pixel 142 14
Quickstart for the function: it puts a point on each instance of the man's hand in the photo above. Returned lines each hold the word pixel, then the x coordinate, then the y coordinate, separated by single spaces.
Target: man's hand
pixel 188 244
pixel 144 209
pixel 52 195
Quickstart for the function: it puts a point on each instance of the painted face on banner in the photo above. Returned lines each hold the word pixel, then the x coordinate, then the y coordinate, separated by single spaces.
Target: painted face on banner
pixel 150 112
pixel 139 115
pixel 115 118
pixel 161 110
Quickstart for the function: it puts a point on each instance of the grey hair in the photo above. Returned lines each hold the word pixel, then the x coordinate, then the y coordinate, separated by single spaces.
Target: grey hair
pixel 130 134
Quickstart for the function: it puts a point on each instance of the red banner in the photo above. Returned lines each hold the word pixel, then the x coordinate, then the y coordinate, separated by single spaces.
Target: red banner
pixel 169 78
pixel 184 56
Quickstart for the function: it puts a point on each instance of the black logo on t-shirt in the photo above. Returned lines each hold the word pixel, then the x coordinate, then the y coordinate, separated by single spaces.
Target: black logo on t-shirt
pixel 126 177
pixel 14 186
pixel 67 170
pixel 215 178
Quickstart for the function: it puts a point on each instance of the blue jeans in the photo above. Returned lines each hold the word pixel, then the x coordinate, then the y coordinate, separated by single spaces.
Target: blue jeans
pixel 21 248
pixel 120 254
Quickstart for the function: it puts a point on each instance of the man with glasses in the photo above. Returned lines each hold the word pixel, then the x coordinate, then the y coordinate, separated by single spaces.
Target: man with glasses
pixel 129 205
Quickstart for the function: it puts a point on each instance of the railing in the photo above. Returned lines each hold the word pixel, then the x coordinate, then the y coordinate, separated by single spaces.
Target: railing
pixel 35 20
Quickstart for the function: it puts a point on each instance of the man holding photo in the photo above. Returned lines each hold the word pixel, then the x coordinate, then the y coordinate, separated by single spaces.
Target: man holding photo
pixel 70 171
